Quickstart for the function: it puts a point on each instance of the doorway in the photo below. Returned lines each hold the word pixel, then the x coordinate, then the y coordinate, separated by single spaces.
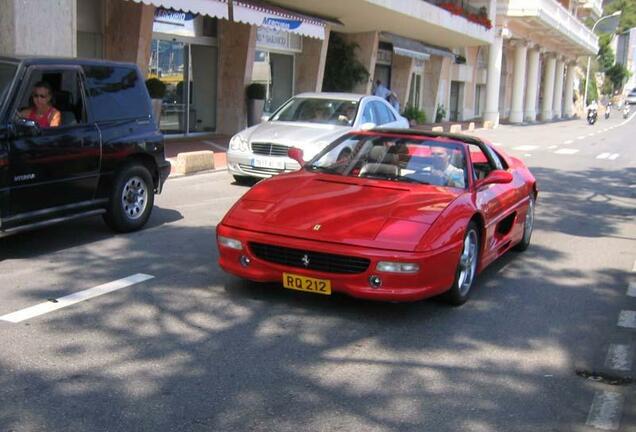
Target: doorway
pixel 456 98
pixel 282 83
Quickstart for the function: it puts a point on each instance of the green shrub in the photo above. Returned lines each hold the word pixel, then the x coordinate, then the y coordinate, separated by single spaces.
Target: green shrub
pixel 156 88
pixel 440 114
pixel 412 113
pixel 256 91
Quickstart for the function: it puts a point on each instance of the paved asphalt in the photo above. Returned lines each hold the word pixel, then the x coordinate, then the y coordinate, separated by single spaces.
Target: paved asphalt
pixel 193 349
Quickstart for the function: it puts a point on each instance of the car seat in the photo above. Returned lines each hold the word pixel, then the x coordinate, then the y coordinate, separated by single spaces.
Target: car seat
pixel 64 103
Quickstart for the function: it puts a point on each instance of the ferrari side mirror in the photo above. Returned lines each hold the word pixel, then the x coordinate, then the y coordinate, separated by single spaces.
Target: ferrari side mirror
pixel 296 154
pixel 495 177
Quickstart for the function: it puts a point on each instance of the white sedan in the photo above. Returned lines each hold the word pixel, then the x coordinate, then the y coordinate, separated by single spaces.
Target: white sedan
pixel 309 121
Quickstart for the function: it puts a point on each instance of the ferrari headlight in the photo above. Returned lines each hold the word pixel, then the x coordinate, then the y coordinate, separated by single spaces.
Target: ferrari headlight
pixel 230 243
pixel 397 267
pixel 239 143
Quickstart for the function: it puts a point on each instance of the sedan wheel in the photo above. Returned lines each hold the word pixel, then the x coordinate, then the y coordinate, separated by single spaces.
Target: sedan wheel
pixel 466 268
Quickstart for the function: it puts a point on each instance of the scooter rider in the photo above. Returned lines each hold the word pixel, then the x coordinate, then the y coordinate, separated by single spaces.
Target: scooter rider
pixel 592 112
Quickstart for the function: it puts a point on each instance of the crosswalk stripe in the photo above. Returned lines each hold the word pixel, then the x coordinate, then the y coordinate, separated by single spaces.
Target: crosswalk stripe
pixel 567 151
pixel 603 156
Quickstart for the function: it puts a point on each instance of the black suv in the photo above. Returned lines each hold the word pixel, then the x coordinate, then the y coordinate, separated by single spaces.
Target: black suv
pixel 106 157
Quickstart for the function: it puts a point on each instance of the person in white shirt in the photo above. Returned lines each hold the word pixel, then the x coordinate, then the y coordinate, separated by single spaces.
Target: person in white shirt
pixel 380 90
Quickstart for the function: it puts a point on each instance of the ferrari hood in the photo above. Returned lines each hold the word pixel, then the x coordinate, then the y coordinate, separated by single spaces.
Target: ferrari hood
pixel 341 210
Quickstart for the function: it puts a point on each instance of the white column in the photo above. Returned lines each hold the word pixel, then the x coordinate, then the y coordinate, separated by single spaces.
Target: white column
pixel 557 107
pixel 518 82
pixel 494 77
pixel 532 85
pixel 548 86
pixel 568 110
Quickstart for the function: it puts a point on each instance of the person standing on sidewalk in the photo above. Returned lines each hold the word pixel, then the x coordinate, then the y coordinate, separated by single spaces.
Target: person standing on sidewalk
pixel 380 90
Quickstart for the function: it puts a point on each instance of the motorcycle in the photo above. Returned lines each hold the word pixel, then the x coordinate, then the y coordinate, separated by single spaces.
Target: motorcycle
pixel 607 111
pixel 626 111
pixel 591 115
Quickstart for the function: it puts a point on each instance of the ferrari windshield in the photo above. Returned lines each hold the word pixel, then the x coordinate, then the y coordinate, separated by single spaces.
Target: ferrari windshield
pixel 7 72
pixel 318 110
pixel 400 159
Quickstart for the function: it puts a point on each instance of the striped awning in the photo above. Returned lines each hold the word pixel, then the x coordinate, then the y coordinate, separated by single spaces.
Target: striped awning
pixel 212 8
pixel 262 14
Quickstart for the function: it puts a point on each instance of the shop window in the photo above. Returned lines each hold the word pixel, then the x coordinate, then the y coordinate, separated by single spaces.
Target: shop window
pixel 415 90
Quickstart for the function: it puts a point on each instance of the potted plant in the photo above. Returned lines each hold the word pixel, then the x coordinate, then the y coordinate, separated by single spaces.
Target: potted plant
pixel 256 94
pixel 414 115
pixel 156 90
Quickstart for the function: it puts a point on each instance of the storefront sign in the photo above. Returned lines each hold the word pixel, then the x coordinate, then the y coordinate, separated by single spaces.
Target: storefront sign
pixel 262 15
pixel 174 22
pixel 281 23
pixel 267 38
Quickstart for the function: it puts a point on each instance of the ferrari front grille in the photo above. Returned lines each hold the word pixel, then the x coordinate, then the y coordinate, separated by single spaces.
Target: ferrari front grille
pixel 319 261
pixel 269 149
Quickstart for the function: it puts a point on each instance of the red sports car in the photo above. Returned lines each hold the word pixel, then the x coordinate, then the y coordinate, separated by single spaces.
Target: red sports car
pixel 394 215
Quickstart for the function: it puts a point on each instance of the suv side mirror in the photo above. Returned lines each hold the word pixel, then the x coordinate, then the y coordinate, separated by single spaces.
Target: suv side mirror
pixel 495 177
pixel 26 127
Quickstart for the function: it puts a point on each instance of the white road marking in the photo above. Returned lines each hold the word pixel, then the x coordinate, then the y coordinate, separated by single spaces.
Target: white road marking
pixel 634 266
pixel 567 151
pixel 614 156
pixel 553 147
pixel 568 142
pixel 591 134
pixel 605 412
pixel 619 357
pixel 580 137
pixel 631 289
pixel 525 147
pixel 603 156
pixel 627 319
pixel 76 297
pixel 496 144
pixel 527 155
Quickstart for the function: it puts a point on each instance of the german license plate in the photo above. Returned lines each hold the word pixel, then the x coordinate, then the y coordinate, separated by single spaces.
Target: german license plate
pixel 268 163
pixel 302 283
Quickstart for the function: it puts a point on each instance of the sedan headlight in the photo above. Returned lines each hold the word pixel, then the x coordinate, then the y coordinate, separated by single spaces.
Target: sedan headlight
pixel 397 267
pixel 230 243
pixel 239 143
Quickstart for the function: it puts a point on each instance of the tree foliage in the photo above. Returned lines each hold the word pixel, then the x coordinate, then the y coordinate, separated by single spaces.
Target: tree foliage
pixel 617 75
pixel 342 69
pixel 606 56
pixel 628 13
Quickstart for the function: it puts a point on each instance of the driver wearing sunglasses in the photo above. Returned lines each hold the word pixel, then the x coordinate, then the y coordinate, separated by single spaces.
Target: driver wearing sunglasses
pixel 41 110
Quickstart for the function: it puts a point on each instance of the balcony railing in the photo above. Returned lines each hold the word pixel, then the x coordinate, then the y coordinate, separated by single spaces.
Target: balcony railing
pixel 464 9
pixel 555 14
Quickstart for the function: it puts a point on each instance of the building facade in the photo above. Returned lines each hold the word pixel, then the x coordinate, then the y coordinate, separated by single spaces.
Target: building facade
pixel 454 60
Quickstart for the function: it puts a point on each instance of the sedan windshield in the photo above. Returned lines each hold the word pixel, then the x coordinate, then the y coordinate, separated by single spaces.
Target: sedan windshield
pixel 400 159
pixel 318 110
pixel 7 72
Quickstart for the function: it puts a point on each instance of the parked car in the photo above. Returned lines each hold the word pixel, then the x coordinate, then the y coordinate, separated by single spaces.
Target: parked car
pixel 631 97
pixel 106 157
pixel 386 215
pixel 309 121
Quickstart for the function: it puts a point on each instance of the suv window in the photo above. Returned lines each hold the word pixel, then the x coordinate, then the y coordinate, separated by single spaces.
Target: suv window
pixel 116 93
pixel 67 95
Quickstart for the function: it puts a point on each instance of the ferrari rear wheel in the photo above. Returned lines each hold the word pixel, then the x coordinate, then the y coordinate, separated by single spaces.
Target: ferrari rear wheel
pixel 528 225
pixel 466 268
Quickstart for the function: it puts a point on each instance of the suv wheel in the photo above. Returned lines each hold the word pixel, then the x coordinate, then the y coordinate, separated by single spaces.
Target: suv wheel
pixel 131 199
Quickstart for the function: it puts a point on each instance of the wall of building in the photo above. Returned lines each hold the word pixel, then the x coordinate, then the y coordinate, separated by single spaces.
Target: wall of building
pixel 128 32
pixel 310 64
pixel 236 44
pixel 38 27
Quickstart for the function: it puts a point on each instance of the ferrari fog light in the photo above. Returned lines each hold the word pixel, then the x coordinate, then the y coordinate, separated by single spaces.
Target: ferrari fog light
pixel 244 260
pixel 230 243
pixel 397 267
pixel 375 281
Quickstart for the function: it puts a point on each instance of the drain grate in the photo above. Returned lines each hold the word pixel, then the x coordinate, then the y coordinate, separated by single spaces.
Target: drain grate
pixel 604 377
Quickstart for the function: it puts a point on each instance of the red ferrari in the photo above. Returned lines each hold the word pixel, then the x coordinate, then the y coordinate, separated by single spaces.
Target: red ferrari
pixel 392 215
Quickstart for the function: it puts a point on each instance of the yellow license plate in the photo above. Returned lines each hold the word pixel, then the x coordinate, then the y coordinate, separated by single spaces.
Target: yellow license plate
pixel 302 283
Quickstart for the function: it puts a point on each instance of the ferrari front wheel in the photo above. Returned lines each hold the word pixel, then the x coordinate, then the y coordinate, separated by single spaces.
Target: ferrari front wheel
pixel 466 267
